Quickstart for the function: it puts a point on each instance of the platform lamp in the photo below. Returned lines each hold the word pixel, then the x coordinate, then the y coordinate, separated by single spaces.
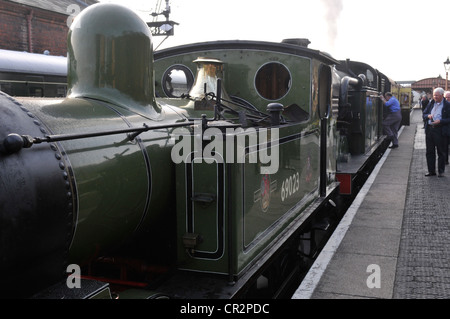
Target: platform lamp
pixel 447 67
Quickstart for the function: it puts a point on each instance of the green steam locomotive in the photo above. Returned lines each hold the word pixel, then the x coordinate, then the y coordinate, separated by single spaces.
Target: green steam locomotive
pixel 211 170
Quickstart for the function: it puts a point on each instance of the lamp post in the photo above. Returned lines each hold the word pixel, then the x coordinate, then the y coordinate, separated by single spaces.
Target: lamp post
pixel 447 67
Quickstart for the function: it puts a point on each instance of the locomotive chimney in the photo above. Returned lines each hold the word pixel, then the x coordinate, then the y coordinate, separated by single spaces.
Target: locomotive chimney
pixel 209 70
pixel 110 58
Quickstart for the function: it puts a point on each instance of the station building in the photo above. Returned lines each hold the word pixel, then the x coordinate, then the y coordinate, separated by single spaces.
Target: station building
pixel 38 26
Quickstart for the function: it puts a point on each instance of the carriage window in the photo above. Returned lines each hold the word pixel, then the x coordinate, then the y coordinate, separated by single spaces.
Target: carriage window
pixel 177 80
pixel 370 77
pixel 273 81
pixel 35 91
pixel 61 91
pixel 35 85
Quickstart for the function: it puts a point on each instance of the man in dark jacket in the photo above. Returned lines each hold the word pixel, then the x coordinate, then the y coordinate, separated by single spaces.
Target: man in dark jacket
pixel 437 129
pixel 424 102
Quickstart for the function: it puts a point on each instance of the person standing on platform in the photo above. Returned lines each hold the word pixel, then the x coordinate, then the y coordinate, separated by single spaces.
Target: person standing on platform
pixel 437 129
pixel 447 97
pixel 424 103
pixel 393 119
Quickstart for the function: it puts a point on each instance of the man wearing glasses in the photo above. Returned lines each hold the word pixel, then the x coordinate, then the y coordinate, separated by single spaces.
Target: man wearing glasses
pixel 437 129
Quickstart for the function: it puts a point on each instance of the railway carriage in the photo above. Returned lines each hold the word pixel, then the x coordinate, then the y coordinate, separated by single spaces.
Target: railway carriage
pixel 32 74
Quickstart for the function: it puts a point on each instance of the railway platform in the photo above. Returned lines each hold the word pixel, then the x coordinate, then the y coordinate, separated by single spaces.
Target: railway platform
pixel 393 242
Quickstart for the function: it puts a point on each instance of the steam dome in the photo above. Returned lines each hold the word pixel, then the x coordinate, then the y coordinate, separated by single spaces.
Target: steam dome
pixel 110 58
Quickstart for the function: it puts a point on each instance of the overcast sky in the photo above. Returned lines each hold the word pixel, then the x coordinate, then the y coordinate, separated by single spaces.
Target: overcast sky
pixel 405 39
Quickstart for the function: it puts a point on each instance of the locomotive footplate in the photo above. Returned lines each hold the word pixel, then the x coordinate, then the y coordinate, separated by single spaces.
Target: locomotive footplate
pixel 353 174
pixel 92 289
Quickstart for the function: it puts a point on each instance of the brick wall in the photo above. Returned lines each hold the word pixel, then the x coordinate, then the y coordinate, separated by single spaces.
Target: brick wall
pixel 48 29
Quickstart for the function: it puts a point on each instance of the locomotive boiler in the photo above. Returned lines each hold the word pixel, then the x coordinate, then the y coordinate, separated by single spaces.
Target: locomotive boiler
pixel 206 171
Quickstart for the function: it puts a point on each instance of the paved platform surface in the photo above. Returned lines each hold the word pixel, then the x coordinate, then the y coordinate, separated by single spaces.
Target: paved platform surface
pixel 394 241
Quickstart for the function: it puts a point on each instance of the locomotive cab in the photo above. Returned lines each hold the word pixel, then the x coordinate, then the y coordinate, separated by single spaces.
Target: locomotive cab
pixel 233 208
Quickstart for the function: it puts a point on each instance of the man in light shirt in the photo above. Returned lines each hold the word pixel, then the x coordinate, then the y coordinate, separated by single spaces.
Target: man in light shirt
pixel 437 129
